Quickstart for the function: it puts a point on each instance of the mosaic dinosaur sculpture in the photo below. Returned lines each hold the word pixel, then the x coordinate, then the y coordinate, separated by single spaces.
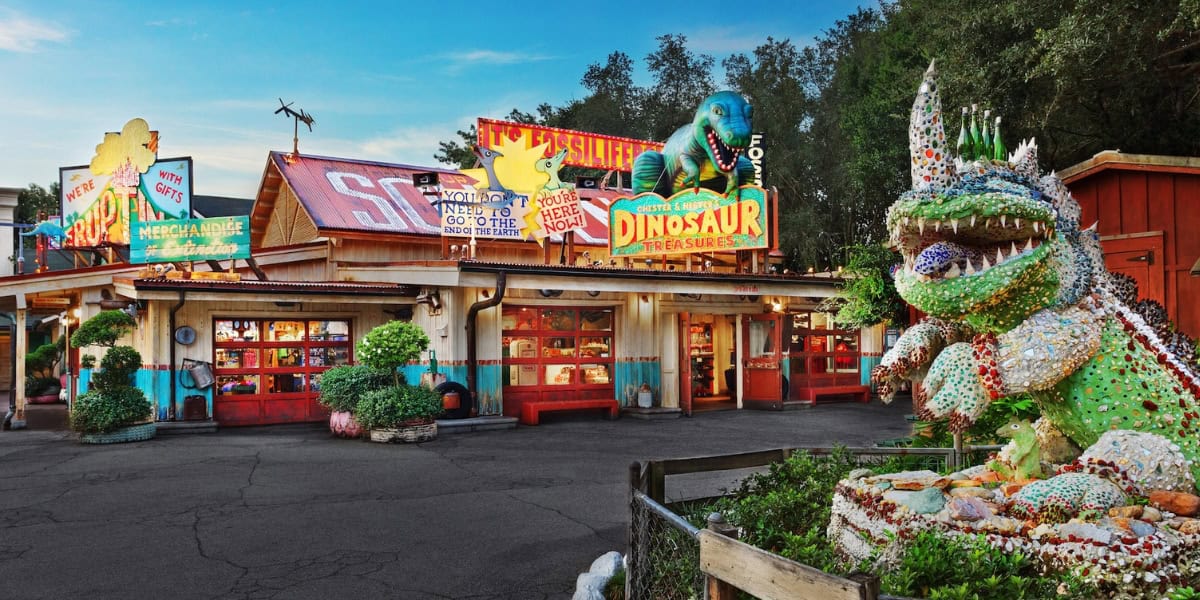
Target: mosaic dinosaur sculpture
pixel 709 147
pixel 1020 302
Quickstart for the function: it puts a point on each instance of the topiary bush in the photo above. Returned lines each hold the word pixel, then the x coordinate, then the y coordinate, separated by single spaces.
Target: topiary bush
pixel 117 368
pixel 102 411
pixel 391 346
pixel 342 387
pixel 395 406
pixel 104 329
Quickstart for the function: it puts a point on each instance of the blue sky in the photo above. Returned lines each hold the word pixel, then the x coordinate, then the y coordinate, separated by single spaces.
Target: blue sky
pixel 384 81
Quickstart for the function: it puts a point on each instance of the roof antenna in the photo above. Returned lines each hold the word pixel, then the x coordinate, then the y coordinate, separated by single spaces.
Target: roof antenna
pixel 298 116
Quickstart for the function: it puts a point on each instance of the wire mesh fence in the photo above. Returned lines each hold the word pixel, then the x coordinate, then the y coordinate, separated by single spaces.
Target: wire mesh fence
pixel 664 556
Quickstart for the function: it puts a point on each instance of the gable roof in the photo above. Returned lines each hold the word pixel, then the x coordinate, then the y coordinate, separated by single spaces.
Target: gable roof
pixel 347 195
pixel 1115 159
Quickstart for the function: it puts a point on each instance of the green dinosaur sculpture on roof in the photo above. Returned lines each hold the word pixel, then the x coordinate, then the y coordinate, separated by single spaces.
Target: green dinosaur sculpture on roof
pixel 701 153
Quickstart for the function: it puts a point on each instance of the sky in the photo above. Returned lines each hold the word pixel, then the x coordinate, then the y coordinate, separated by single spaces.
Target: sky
pixel 384 81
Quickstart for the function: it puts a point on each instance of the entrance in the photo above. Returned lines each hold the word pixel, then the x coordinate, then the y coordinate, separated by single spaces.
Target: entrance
pixel 762 361
pixel 707 371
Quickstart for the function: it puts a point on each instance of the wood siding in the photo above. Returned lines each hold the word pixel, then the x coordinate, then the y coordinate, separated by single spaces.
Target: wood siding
pixel 1131 202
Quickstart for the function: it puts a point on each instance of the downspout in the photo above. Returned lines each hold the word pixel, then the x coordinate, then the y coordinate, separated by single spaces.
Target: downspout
pixel 171 334
pixel 472 349
pixel 12 384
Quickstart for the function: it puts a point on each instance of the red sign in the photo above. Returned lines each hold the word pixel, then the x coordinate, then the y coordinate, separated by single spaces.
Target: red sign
pixel 560 211
pixel 589 150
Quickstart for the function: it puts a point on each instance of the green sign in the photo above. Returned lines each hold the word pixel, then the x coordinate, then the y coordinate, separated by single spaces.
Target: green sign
pixel 218 238
pixel 690 221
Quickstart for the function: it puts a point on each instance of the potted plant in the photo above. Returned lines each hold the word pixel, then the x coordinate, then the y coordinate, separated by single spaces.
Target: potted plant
pixel 398 412
pixel 340 390
pixel 113 409
pixel 41 386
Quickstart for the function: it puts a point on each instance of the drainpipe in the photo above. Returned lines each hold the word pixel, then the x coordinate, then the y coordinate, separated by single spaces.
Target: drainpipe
pixel 472 350
pixel 171 334
pixel 12 384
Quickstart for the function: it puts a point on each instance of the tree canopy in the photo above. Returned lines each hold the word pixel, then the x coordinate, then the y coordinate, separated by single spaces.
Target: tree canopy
pixel 1080 76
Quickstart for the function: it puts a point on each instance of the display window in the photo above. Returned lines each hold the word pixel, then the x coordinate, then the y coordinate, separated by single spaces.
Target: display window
pixel 269 371
pixel 557 348
pixel 821 352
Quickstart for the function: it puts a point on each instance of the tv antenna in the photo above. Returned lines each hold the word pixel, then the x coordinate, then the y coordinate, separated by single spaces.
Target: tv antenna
pixel 298 116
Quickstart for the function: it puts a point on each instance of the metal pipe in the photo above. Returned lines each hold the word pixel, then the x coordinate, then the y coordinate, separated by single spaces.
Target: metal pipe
pixel 171 333
pixel 472 345
pixel 12 383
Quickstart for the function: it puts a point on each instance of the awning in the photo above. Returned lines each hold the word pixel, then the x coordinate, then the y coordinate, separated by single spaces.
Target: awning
pixel 162 288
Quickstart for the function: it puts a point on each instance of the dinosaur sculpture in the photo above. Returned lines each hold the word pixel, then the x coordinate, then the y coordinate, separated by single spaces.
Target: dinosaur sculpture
pixel 711 146
pixel 47 228
pixel 550 166
pixel 1024 460
pixel 1020 302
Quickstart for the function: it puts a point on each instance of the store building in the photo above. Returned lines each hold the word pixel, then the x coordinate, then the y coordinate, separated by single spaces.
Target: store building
pixel 340 246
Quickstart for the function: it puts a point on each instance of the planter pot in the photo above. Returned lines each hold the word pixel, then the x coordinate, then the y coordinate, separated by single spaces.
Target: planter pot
pixel 133 433
pixel 343 425
pixel 407 434
pixel 43 399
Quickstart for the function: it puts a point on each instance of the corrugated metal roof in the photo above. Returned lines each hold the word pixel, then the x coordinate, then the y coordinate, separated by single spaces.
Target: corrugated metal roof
pixel 640 273
pixel 261 287
pixel 358 195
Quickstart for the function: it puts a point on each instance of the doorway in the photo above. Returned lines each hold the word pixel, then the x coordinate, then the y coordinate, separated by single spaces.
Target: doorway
pixel 707 354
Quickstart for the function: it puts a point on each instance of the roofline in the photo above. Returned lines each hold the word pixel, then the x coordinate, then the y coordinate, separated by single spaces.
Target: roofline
pixel 609 273
pixel 280 155
pixel 1115 159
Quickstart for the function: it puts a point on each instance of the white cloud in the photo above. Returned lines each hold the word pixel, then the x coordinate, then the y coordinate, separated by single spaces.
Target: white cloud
pixel 458 61
pixel 722 41
pixel 19 33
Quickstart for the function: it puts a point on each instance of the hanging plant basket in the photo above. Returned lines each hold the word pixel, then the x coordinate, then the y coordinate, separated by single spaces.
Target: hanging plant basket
pixel 133 433
pixel 411 433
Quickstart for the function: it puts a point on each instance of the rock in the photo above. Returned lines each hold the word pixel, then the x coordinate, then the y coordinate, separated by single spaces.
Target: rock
pixel 961 483
pixel 608 564
pixel 1133 511
pixel 968 509
pixel 590 586
pixel 915 480
pixel 1012 487
pixel 1180 503
pixel 973 492
pixel 1123 525
pixel 1190 527
pixel 925 502
pixel 859 474
pixel 1086 531
pixel 1151 514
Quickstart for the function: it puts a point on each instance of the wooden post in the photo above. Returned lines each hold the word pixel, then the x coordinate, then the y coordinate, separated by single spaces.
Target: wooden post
pixel 633 549
pixel 714 588
pixel 656 484
pixel 870 584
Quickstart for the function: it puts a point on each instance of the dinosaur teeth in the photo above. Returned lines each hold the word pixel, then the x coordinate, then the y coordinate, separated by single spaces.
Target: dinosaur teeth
pixel 1036 226
pixel 1004 220
pixel 953 272
pixel 987 223
pixel 954 225
pixel 1013 253
pixel 986 265
pixel 999 255
pixel 921 225
pixel 937 226
pixel 1017 223
pixel 1029 244
pixel 972 220
pixel 970 268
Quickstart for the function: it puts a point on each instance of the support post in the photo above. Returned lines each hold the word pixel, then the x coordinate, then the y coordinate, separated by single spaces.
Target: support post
pixel 714 588
pixel 18 330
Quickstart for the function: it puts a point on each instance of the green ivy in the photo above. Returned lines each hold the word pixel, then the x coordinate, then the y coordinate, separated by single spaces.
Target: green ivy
pixel 341 387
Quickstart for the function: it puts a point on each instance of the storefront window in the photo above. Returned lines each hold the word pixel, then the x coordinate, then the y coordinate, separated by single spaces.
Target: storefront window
pixel 285 357
pixel 283 360
pixel 285 331
pixel 328 331
pixel 821 352
pixel 237 384
pixel 560 347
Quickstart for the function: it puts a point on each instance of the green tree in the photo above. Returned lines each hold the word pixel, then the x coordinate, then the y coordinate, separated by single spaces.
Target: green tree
pixel 35 199
pixel 681 80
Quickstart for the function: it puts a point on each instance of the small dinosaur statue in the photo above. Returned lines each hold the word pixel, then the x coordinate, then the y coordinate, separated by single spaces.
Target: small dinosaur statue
pixel 1024 457
pixel 711 146
pixel 47 228
pixel 487 158
pixel 1020 302
pixel 550 166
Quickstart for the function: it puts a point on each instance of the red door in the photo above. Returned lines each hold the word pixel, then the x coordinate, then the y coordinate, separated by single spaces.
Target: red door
pixel 1141 258
pixel 762 382
pixel 685 364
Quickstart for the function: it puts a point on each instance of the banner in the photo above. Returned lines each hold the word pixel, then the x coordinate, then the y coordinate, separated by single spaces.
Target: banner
pixel 588 150
pixel 98 209
pixel 690 221
pixel 755 153
pixel 218 238
pixel 559 211
pixel 483 213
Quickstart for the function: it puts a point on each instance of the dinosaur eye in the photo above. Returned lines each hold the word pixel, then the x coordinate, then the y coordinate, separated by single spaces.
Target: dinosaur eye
pixel 1014 426
pixel 717 110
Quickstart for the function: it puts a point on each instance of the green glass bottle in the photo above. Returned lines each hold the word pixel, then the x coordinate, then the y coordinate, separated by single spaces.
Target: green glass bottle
pixel 987 135
pixel 977 151
pixel 963 148
pixel 999 152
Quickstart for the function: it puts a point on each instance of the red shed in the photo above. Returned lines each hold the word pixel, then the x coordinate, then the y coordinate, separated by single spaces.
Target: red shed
pixel 1148 208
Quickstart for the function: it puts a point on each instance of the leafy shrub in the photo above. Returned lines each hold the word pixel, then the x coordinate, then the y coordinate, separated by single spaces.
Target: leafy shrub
pixel 41 362
pixel 391 346
pixel 341 387
pixel 967 568
pixel 117 368
pixel 40 386
pixel 396 405
pixel 87 361
pixel 104 329
pixel 983 431
pixel 101 411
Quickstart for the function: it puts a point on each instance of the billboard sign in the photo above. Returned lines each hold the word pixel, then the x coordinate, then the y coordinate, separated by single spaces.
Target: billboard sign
pixel 172 240
pixel 588 150
pixel 690 221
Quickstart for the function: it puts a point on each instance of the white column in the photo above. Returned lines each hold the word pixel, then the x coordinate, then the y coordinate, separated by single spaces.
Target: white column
pixel 18 420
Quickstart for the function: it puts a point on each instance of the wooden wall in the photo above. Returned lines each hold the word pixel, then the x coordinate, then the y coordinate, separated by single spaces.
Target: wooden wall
pixel 1129 202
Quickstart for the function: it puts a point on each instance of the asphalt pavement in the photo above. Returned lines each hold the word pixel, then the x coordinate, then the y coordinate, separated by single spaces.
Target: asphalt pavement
pixel 290 512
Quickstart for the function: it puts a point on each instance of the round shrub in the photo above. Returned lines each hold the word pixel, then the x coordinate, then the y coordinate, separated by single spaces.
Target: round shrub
pixel 397 405
pixel 341 387
pixel 117 367
pixel 104 329
pixel 102 411
pixel 391 346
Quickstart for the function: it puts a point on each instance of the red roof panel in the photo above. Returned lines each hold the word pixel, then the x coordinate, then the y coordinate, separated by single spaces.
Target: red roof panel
pixel 358 195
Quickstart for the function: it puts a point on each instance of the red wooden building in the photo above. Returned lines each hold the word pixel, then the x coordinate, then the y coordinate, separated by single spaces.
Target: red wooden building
pixel 1148 209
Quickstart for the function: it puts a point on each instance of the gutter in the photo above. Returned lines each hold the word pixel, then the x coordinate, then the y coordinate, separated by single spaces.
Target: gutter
pixel 171 333
pixel 472 343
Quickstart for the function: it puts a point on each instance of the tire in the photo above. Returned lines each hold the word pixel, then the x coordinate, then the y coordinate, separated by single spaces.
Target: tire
pixel 464 399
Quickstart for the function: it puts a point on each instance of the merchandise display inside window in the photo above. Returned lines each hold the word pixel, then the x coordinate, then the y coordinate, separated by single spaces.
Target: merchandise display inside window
pixel 557 347
pixel 821 351
pixel 277 357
